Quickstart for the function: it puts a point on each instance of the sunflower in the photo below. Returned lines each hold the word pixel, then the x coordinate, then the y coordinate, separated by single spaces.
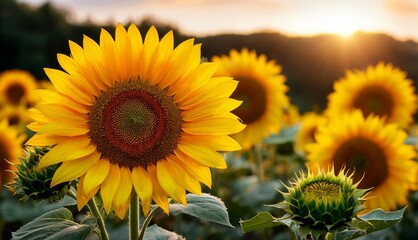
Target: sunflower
pixel 10 147
pixel 16 116
pixel 16 87
pixel 310 122
pixel 382 90
pixel 290 115
pixel 132 113
pixel 375 151
pixel 261 88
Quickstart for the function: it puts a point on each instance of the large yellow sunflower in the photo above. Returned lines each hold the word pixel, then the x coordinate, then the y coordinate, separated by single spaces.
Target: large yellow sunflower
pixel 16 87
pixel 308 127
pixel 261 88
pixel 374 150
pixel 10 148
pixel 382 90
pixel 135 112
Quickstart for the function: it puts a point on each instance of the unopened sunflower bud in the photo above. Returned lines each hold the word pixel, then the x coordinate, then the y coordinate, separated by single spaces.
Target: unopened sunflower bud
pixel 323 200
pixel 33 183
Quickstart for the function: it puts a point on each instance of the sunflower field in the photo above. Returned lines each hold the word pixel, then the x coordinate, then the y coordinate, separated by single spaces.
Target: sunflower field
pixel 139 132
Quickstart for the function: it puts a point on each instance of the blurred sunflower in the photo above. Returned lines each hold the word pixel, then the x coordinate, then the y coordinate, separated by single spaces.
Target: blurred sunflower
pixel 374 150
pixel 16 87
pixel 10 147
pixel 309 124
pixel 261 88
pixel 290 115
pixel 16 116
pixel 132 112
pixel 382 90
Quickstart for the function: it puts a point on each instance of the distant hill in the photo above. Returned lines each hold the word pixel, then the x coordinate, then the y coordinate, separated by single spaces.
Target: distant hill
pixel 31 37
pixel 312 64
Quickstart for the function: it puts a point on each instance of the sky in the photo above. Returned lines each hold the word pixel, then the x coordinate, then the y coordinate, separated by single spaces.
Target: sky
pixel 292 17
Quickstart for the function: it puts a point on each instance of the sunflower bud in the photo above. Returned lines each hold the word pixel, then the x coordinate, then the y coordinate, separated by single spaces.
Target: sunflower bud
pixel 34 183
pixel 323 200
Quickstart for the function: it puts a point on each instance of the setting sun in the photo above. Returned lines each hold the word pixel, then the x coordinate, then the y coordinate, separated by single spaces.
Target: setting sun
pixel 339 17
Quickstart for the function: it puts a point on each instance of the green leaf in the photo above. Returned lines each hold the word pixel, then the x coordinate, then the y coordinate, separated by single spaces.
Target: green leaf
pixel 205 206
pixel 56 224
pixel 71 233
pixel 155 232
pixel 349 234
pixel 264 220
pixel 378 220
pixel 285 135
pixel 251 192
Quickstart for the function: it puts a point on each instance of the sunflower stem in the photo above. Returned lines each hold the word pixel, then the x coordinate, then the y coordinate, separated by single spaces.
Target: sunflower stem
pixel 92 205
pixel 146 222
pixel 134 217
pixel 258 162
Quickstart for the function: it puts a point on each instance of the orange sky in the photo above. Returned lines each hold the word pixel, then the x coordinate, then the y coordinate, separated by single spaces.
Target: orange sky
pixel 294 17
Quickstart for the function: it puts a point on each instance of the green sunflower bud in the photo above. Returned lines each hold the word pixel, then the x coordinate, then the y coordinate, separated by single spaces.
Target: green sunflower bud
pixel 323 200
pixel 33 183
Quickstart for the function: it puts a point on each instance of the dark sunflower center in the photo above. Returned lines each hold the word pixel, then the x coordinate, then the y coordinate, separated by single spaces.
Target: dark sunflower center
pixel 311 135
pixel 374 100
pixel 15 93
pixel 366 158
pixel 135 124
pixel 326 192
pixel 14 119
pixel 253 95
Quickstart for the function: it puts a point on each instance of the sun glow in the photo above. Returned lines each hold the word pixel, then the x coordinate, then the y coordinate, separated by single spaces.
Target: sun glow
pixel 340 18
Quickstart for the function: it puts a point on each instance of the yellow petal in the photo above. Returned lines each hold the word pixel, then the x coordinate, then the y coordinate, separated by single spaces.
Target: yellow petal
pixel 109 186
pixel 48 96
pixel 96 174
pixel 182 176
pixel 64 129
pixel 66 150
pixel 150 43
pixel 169 184
pixel 136 41
pixel 123 193
pixel 73 68
pixel 198 171
pixel 158 194
pixel 44 140
pixel 62 114
pixel 82 198
pixel 110 59
pixel 63 85
pixel 217 143
pixel 143 186
pixel 213 126
pixel 123 45
pixel 212 109
pixel 71 170
pixel 203 155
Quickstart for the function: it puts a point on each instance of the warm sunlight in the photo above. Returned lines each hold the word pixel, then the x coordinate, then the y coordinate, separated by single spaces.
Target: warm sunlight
pixel 337 19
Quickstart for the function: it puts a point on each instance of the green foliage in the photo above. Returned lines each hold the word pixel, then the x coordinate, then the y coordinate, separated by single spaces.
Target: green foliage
pixel 155 232
pixel 57 224
pixel 359 226
pixel 205 207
